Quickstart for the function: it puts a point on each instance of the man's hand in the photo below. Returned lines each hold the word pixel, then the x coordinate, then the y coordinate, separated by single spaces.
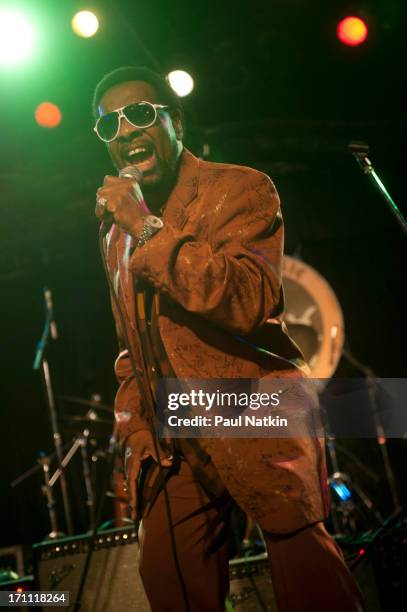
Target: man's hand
pixel 139 446
pixel 120 200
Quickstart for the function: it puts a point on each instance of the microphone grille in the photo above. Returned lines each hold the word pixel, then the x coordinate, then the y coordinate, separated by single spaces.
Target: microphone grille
pixel 131 172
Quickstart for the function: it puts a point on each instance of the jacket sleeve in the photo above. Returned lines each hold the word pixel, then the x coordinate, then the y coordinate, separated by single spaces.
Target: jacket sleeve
pixel 233 277
pixel 127 408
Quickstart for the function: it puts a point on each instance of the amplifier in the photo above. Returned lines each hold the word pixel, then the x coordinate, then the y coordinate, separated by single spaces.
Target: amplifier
pixel 12 561
pixel 113 583
pixel 251 588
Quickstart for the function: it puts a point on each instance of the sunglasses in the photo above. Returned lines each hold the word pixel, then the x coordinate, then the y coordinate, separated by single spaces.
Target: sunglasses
pixel 139 115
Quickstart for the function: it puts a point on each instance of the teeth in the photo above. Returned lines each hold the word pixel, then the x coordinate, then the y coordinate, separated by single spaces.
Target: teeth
pixel 137 150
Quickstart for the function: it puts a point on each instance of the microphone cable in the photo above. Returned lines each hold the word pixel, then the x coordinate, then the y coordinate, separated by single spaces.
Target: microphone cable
pixel 151 417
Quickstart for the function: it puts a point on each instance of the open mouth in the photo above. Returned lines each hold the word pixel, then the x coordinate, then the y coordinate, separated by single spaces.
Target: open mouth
pixel 142 156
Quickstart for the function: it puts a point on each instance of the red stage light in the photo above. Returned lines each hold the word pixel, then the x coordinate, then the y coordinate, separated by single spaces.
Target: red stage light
pixel 48 115
pixel 352 31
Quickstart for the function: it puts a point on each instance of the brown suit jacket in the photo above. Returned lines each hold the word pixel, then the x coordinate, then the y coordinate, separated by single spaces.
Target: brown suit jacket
pixel 216 266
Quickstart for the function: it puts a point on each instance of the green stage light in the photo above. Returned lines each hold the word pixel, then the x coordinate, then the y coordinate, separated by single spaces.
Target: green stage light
pixel 181 82
pixel 85 24
pixel 16 37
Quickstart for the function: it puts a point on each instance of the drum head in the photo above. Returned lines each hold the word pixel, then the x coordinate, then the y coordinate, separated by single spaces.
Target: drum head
pixel 313 317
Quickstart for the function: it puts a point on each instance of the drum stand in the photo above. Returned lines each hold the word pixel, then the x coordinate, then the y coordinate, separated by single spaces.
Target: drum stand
pixel 341 483
pixel 345 507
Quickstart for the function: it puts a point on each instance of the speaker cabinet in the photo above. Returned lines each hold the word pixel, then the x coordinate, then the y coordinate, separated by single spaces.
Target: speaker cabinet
pixel 113 583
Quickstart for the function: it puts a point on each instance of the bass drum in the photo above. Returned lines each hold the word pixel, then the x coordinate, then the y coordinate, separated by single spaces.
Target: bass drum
pixel 313 317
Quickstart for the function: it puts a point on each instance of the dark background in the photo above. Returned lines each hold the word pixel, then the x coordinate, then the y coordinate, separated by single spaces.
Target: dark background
pixel 274 89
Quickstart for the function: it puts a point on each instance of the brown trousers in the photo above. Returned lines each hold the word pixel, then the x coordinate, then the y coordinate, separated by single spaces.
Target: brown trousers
pixel 307 568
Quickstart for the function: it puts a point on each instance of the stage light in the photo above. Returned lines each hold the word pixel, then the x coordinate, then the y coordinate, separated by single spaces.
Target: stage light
pixel 48 115
pixel 181 82
pixel 16 37
pixel 85 24
pixel 352 31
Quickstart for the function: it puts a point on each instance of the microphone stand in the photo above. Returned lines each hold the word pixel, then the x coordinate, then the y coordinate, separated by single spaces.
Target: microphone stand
pixel 40 361
pixel 360 151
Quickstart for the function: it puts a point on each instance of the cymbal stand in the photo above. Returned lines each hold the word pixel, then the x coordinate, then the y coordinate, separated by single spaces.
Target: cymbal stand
pixel 43 464
pixel 40 361
pixel 380 433
pixel 80 442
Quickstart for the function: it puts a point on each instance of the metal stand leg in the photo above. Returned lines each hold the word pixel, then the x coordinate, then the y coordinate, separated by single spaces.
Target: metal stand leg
pixel 44 461
pixel 90 498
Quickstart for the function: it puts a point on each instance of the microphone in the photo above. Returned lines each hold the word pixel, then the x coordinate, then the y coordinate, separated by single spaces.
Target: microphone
pixel 131 172
pixel 134 174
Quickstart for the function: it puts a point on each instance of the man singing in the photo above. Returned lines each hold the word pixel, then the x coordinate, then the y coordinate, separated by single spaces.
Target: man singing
pixel 194 253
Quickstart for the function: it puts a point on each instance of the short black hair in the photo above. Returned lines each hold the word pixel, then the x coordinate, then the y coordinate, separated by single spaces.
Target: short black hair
pixel 137 73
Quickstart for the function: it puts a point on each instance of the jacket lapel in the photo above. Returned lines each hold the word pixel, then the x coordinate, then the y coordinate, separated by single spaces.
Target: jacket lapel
pixel 184 192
